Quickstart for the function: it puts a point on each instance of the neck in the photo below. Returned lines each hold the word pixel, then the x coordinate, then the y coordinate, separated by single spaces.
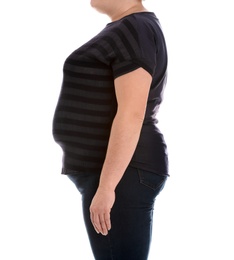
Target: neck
pixel 124 11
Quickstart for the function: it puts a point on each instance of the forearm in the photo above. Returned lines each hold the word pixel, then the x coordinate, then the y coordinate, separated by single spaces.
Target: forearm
pixel 123 140
pixel 131 91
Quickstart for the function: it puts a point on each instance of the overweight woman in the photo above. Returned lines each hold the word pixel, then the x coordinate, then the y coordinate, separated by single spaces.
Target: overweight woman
pixel 105 122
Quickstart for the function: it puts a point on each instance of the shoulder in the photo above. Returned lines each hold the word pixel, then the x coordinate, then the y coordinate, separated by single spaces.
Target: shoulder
pixel 141 21
pixel 141 25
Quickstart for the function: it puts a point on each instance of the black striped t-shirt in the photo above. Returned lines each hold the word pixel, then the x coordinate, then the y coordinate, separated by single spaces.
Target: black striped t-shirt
pixel 87 102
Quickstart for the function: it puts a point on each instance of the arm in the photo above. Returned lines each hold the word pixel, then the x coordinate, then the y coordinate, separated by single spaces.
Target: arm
pixel 132 92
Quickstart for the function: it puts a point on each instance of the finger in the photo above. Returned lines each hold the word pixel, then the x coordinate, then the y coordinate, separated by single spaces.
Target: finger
pixel 104 229
pixel 93 222
pixel 96 229
pixel 107 221
pixel 101 223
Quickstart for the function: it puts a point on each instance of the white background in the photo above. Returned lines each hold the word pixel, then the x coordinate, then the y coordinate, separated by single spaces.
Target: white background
pixel 40 215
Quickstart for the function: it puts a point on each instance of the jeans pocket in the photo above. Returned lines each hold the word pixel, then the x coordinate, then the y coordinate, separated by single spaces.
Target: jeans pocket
pixel 152 180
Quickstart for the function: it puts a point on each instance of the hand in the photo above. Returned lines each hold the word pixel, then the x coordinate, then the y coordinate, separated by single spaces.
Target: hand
pixel 100 209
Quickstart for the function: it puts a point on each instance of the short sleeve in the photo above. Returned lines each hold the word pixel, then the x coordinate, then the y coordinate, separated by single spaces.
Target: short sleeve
pixel 134 47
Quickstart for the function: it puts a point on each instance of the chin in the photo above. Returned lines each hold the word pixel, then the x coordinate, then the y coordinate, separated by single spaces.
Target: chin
pixel 96 6
pixel 93 3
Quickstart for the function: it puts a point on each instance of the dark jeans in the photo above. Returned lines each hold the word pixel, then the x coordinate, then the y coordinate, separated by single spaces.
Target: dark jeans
pixel 131 215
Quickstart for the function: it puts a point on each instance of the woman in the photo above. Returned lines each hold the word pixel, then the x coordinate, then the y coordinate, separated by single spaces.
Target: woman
pixel 105 123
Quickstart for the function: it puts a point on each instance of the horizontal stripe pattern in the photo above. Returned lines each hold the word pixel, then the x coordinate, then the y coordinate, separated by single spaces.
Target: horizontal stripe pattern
pixel 87 102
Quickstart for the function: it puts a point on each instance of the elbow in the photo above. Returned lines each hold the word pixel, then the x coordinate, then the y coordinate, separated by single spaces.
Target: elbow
pixel 132 117
pixel 139 117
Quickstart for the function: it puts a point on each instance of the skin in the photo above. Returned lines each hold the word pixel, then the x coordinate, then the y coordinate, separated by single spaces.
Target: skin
pixel 117 9
pixel 132 91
